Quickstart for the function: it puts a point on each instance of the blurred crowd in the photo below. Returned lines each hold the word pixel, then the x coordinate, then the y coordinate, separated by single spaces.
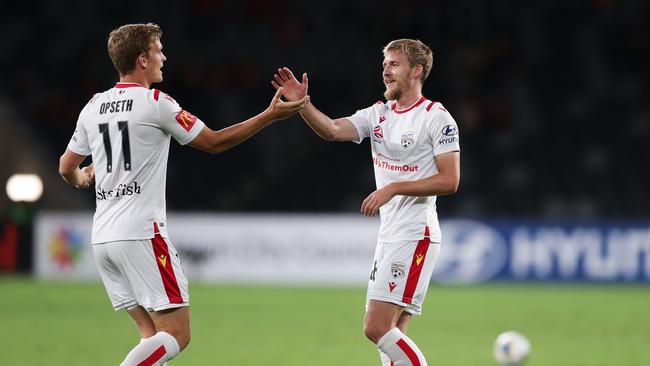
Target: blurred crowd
pixel 551 97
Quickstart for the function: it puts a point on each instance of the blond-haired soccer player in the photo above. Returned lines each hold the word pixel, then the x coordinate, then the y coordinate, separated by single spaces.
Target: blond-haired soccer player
pixel 127 130
pixel 415 151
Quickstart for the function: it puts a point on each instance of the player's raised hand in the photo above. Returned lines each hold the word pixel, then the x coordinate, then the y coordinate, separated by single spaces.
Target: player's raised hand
pixel 291 88
pixel 375 200
pixel 280 109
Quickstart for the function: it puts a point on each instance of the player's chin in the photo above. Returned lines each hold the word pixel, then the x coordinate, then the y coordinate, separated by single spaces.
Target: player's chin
pixel 391 94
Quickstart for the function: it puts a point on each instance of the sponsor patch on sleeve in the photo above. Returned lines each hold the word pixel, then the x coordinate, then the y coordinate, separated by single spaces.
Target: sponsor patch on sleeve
pixel 186 119
pixel 450 130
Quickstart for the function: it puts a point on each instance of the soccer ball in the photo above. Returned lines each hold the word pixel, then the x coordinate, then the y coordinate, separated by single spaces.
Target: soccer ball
pixel 511 349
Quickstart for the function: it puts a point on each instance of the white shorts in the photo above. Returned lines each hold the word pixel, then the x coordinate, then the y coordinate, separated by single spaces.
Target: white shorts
pixel 401 273
pixel 142 272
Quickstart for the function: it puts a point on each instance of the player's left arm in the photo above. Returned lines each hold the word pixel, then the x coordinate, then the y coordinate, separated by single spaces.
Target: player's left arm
pixel 69 169
pixel 445 182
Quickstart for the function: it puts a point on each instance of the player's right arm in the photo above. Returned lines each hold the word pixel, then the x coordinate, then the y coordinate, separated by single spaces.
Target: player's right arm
pixel 70 172
pixel 76 152
pixel 340 129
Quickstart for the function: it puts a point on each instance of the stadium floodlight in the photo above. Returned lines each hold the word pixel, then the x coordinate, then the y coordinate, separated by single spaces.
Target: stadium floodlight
pixel 24 187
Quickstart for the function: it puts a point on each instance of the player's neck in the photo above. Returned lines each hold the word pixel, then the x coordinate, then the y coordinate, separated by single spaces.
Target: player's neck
pixel 409 98
pixel 138 79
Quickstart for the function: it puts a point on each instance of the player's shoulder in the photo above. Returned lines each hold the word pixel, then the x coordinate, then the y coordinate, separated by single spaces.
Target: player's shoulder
pixel 159 96
pixel 435 111
pixel 380 106
pixel 93 103
pixel 434 107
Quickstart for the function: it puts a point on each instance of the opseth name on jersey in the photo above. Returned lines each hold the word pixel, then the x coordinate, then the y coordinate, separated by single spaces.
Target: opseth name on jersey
pixel 120 191
pixel 116 106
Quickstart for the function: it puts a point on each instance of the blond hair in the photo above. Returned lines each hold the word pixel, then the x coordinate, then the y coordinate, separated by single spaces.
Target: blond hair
pixel 128 42
pixel 415 51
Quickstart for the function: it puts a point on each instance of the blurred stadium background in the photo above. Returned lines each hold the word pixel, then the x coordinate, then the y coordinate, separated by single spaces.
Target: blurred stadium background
pixel 549 233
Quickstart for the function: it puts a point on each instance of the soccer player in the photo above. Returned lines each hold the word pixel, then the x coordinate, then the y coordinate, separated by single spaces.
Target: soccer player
pixel 127 130
pixel 416 157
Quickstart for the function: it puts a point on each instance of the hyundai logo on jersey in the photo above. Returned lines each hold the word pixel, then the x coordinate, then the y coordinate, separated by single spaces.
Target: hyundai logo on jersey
pixel 449 130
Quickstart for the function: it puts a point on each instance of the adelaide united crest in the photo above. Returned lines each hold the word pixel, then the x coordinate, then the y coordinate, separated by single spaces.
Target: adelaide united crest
pixel 397 270
pixel 408 139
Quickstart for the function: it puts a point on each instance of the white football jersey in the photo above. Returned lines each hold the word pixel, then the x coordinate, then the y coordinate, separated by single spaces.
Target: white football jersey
pixel 404 144
pixel 127 131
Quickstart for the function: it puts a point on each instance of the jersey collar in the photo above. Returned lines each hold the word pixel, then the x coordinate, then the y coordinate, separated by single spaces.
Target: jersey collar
pixel 127 85
pixel 409 108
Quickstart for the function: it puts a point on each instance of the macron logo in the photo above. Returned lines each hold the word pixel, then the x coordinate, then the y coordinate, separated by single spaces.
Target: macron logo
pixel 418 259
pixel 163 260
pixel 391 286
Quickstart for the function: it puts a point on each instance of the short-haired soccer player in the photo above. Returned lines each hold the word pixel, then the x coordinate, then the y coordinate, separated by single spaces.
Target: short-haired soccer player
pixel 127 130
pixel 416 156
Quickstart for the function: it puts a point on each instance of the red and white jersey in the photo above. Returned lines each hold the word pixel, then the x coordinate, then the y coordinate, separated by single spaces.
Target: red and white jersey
pixel 404 144
pixel 127 131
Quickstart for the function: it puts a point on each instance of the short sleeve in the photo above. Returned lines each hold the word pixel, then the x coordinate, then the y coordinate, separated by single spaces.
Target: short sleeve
pixel 362 122
pixel 179 123
pixel 79 142
pixel 444 134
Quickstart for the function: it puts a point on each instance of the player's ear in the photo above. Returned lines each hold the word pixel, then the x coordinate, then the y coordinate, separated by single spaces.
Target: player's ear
pixel 142 60
pixel 417 72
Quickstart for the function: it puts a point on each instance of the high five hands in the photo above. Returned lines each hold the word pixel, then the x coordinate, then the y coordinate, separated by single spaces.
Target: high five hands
pixel 279 109
pixel 291 88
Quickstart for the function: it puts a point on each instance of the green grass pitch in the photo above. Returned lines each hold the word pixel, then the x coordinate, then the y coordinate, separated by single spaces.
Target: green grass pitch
pixel 53 323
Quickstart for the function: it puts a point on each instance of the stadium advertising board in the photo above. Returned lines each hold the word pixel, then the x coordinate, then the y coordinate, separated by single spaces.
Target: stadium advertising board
pixel 310 248
pixel 338 249
pixel 478 251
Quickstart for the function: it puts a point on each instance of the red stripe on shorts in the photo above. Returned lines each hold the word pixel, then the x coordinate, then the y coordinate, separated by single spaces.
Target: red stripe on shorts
pixel 154 357
pixel 409 352
pixel 164 262
pixel 416 267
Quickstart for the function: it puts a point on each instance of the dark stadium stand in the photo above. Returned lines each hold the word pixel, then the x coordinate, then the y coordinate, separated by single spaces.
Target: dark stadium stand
pixel 551 98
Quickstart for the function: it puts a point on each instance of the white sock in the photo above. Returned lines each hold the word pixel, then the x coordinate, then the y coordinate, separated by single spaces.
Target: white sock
pixel 153 351
pixel 385 360
pixel 144 339
pixel 401 349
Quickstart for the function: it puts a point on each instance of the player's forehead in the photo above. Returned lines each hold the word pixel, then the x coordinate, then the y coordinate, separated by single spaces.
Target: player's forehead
pixel 156 45
pixel 394 56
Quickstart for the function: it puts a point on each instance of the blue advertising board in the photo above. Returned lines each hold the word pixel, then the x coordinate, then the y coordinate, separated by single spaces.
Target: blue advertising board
pixel 476 251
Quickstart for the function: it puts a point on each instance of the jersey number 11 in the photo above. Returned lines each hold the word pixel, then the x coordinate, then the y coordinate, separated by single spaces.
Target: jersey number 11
pixel 123 126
